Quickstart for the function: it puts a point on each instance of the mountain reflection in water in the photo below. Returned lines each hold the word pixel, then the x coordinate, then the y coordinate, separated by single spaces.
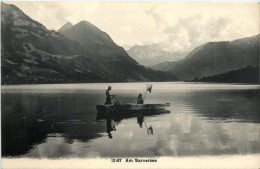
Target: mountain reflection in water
pixel 53 121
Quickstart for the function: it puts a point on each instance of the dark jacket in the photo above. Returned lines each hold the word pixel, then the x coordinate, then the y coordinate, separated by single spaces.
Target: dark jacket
pixel 140 100
pixel 108 98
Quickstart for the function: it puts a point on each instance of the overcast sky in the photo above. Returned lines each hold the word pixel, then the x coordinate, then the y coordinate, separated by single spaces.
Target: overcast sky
pixel 174 26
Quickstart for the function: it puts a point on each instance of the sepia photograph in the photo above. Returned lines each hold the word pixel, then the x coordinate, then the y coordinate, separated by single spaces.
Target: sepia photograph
pixel 130 84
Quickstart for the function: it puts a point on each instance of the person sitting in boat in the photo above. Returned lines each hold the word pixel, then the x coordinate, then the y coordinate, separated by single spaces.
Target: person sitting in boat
pixel 140 99
pixel 108 96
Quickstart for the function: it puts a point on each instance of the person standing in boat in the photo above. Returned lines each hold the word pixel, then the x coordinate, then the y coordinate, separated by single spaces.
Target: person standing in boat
pixel 140 99
pixel 108 96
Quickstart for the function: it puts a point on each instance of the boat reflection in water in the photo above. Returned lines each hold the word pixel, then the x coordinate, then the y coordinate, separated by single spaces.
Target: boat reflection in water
pixel 110 127
pixel 116 113
pixel 140 120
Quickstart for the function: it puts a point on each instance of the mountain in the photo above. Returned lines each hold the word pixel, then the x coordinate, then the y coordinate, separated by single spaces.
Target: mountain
pixel 152 54
pixel 65 27
pixel 164 66
pixel 247 74
pixel 110 55
pixel 215 58
pixel 94 40
pixel 33 54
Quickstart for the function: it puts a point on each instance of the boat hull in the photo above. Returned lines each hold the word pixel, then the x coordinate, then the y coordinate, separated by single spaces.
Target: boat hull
pixel 130 110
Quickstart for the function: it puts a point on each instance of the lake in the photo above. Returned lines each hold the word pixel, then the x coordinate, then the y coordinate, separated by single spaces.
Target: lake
pixel 59 121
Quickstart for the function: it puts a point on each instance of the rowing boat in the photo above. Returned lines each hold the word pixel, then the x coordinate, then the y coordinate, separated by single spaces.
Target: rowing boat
pixel 130 110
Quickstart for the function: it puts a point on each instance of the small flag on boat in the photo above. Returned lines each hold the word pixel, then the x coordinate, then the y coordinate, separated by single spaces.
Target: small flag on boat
pixel 149 88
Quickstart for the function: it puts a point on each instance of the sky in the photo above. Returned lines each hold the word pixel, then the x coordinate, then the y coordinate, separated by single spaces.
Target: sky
pixel 173 26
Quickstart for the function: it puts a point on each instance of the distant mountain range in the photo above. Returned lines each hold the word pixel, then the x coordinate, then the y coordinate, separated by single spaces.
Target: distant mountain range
pixel 77 53
pixel 215 58
pixel 150 55
pixel 248 74
pixel 84 53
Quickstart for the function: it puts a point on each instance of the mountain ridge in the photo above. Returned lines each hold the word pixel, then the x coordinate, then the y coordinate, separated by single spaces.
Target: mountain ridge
pixel 93 39
pixel 214 58
pixel 248 74
pixel 32 54
pixel 68 25
pixel 150 55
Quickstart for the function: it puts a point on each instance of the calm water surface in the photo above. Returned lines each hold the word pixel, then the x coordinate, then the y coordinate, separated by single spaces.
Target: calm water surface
pixel 53 121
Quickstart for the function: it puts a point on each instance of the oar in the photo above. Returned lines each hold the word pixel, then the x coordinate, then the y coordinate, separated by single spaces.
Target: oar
pixel 145 92
pixel 145 124
pixel 146 128
pixel 116 99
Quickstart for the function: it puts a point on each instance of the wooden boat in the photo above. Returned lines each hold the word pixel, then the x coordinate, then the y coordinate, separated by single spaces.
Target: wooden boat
pixel 130 110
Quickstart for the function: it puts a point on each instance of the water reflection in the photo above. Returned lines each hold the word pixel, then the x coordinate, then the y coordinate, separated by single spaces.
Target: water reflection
pixel 150 130
pixel 227 106
pixel 65 124
pixel 28 119
pixel 112 117
pixel 140 120
pixel 110 127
